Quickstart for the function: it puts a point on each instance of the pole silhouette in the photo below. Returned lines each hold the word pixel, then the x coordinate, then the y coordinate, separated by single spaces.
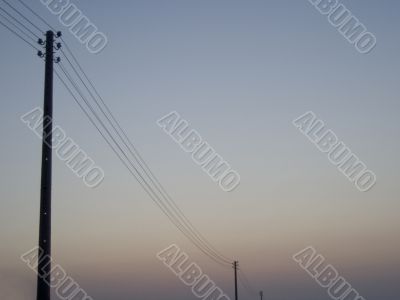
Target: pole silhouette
pixel 261 295
pixel 44 265
pixel 235 267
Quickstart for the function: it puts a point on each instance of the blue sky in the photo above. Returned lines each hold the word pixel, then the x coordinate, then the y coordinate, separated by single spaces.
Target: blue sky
pixel 239 72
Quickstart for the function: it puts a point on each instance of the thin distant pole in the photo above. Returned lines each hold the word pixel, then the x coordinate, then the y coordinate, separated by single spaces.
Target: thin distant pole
pixel 44 266
pixel 235 267
pixel 261 295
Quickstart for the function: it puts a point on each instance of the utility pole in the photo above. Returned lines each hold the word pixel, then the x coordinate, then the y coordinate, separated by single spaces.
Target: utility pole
pixel 235 267
pixel 44 264
pixel 261 295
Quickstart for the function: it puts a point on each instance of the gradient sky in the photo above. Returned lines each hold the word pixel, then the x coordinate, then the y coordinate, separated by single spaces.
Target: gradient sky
pixel 239 72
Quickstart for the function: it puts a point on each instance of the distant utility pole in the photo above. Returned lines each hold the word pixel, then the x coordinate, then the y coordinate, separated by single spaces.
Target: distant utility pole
pixel 261 295
pixel 235 267
pixel 44 265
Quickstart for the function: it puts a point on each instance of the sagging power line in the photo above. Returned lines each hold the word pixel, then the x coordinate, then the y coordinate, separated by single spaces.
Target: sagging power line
pixel 109 128
pixel 147 178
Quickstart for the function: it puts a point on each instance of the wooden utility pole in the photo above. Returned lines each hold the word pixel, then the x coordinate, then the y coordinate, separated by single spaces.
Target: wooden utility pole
pixel 44 265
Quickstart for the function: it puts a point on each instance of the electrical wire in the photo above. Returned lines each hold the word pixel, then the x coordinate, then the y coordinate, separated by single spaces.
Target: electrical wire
pixel 145 168
pixel 19 36
pixel 23 16
pixel 176 216
pixel 19 22
pixel 135 153
pixel 37 15
pixel 153 195
pixel 136 173
pixel 246 283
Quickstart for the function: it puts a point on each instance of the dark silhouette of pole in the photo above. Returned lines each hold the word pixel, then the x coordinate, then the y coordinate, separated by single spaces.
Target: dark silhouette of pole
pixel 235 267
pixel 261 295
pixel 44 266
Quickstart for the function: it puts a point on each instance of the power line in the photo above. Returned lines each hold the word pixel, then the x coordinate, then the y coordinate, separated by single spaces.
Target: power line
pixel 133 151
pixel 142 181
pixel 23 16
pixel 246 283
pixel 36 14
pixel 176 216
pixel 136 173
pixel 20 23
pixel 19 36
pixel 246 287
pixel 19 28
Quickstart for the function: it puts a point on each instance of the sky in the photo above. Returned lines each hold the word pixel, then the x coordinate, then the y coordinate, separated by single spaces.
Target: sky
pixel 239 72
